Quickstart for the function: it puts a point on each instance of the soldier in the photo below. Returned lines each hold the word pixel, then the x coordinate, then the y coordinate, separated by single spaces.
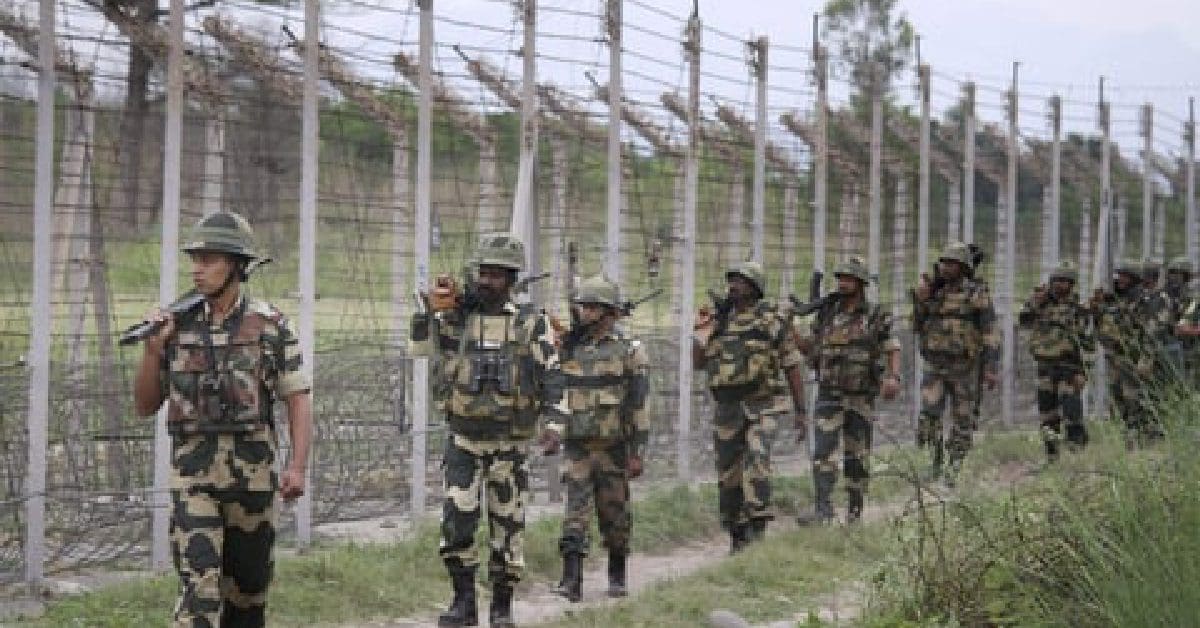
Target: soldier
pixel 851 339
pixel 220 366
pixel 955 324
pixel 499 371
pixel 1059 339
pixel 744 346
pixel 1125 330
pixel 1159 313
pixel 605 429
pixel 1179 347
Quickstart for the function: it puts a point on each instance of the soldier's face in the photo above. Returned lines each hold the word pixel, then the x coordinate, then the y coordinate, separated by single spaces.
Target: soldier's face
pixel 1061 287
pixel 1176 279
pixel 1124 281
pixel 590 313
pixel 210 270
pixel 950 269
pixel 848 284
pixel 740 288
pixel 493 282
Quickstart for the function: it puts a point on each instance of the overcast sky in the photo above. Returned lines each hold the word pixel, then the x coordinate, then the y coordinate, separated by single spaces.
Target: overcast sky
pixel 1144 49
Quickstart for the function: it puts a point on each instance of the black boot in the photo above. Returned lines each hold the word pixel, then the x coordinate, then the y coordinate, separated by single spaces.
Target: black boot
pixel 462 611
pixel 854 505
pixel 500 614
pixel 1051 450
pixel 1077 436
pixel 756 530
pixel 616 575
pixel 571 586
pixel 737 538
pixel 823 482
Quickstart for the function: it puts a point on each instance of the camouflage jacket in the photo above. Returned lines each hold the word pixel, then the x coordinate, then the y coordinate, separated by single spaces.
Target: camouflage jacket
pixel 221 382
pixel 496 373
pixel 957 326
pixel 1059 333
pixel 1162 311
pixel 1124 325
pixel 848 346
pixel 745 359
pixel 607 382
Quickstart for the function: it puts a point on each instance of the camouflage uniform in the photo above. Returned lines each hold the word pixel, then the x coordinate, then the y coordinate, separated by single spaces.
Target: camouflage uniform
pixel 744 361
pixel 221 382
pixel 957 335
pixel 606 382
pixel 1059 339
pixel 847 349
pixel 1162 310
pixel 1126 329
pixel 1178 349
pixel 498 372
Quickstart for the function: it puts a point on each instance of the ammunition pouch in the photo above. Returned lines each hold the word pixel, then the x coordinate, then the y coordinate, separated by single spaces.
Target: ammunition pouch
pixel 735 393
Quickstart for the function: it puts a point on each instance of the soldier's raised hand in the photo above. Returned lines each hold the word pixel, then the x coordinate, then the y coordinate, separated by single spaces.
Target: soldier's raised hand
pixel 1039 295
pixel 924 288
pixel 991 379
pixel 706 324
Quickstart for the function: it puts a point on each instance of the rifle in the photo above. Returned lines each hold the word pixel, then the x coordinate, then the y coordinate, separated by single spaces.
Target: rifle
pixel 145 329
pixel 627 308
pixel 722 308
pixel 816 302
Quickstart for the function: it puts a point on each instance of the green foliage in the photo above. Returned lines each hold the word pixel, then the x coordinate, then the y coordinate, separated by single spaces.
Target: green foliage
pixel 1104 538
pixel 869 34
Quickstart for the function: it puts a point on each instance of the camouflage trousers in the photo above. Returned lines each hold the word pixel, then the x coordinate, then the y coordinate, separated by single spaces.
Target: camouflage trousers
pixel 842 422
pixel 221 542
pixel 1130 394
pixel 951 392
pixel 744 432
pixel 1059 401
pixel 471 467
pixel 596 480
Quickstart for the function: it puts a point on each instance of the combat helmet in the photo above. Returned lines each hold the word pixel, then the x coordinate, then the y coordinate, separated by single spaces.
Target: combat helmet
pixel 223 232
pixel 1129 266
pixel 1181 264
pixel 227 232
pixel 1065 271
pixel 500 249
pixel 752 271
pixel 957 252
pixel 598 289
pixel 853 267
pixel 1152 265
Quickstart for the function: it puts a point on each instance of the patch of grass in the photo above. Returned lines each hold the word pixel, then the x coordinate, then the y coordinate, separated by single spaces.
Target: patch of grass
pixel 346 582
pixel 1103 538
pixel 782 576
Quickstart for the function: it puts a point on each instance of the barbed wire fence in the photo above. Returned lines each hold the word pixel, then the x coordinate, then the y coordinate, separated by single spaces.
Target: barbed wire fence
pixel 371 145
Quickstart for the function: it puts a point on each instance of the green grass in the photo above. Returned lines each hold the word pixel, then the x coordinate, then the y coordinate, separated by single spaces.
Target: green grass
pixel 1103 538
pixel 345 582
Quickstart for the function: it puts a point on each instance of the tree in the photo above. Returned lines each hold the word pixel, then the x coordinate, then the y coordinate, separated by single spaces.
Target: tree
pixel 871 39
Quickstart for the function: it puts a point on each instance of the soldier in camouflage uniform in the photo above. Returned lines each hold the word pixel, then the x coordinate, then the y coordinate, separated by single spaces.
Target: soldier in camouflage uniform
pixel 1125 328
pixel 605 429
pixel 745 347
pixel 1059 340
pixel 851 342
pixel 499 370
pixel 220 367
pixel 1187 325
pixel 1178 292
pixel 956 329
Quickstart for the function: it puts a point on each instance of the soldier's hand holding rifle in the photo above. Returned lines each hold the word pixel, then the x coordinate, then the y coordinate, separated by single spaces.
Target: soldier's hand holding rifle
pixel 1039 295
